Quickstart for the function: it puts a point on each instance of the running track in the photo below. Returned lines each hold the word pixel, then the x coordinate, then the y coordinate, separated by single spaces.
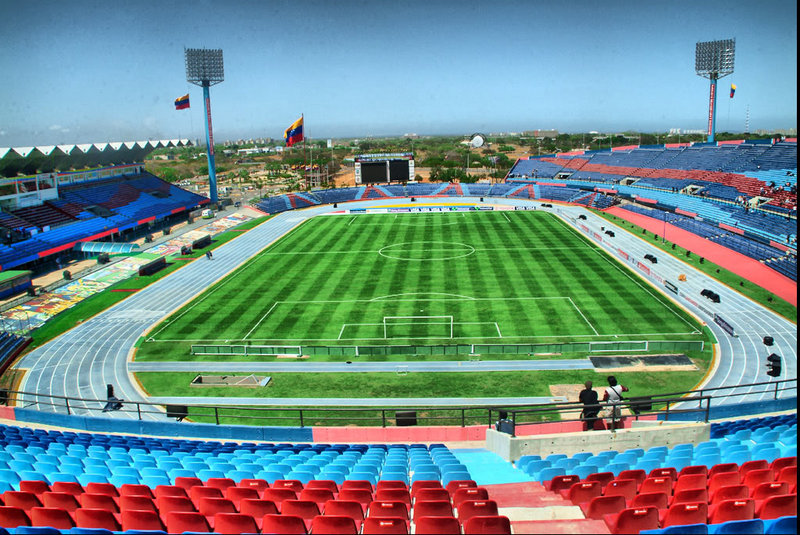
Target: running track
pixel 82 361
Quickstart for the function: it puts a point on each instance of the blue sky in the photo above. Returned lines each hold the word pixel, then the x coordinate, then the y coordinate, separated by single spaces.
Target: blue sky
pixel 88 71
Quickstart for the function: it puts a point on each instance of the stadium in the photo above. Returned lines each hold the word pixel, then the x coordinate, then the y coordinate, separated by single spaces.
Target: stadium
pixel 402 356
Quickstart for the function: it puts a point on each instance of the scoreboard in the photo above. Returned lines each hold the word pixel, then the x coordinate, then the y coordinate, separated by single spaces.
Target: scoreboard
pixel 384 168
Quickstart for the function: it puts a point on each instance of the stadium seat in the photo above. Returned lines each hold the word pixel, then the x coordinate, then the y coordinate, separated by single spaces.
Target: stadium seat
pixel 689 529
pixel 727 510
pixel 384 526
pixel 257 509
pixel 561 482
pixel 36 487
pixel 621 487
pixel 362 496
pixel 432 508
pixel 90 500
pixel 180 521
pixel 738 527
pixel 356 484
pixel 636 474
pixel 782 525
pixel 684 513
pixel 451 486
pixel 393 495
pixel 234 523
pixel 437 525
pixel 349 508
pixel 659 500
pixel 603 477
pixel 730 492
pixel 135 490
pixel 632 520
pixel 723 479
pixel 472 508
pixel 431 494
pixel 582 491
pixel 669 472
pixel 23 500
pixel 323 484
pixel 690 481
pixel 11 517
pixel 293 484
pixel 598 507
pixel 769 488
pixel 387 510
pixel 656 484
pixel 68 487
pixel 777 506
pixel 334 524
pixel 305 509
pixel 469 493
pixel 690 496
pixel 97 518
pixel 141 520
pixel 487 525
pixel 55 517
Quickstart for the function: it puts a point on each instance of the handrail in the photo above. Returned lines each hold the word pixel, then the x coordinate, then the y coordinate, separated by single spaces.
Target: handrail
pixel 658 404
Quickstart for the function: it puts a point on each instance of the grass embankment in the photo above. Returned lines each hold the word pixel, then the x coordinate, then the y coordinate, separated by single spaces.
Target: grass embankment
pixel 744 287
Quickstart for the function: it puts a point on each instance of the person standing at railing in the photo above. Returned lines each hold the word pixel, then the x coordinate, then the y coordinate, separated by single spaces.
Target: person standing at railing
pixel 590 406
pixel 613 395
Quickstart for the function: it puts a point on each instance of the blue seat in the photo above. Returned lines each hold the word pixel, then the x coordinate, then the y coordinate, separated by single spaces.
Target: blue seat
pixel 425 476
pixel 648 465
pixel 616 468
pixel 738 527
pixel 457 476
pixel 549 473
pixel 584 471
pixel 36 530
pixel 336 477
pixel 581 456
pixel 85 479
pixel 61 476
pixel 784 524
pixel 688 529
pixel 533 467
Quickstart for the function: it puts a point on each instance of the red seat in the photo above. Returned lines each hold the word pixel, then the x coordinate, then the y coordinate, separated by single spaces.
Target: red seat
pixel 728 510
pixel 384 484
pixel 684 514
pixel 258 484
pixel 788 474
pixel 603 477
pixel 469 493
pixel 777 465
pixel 140 520
pixel 137 503
pixel 237 494
pixel 278 496
pixel 438 525
pixel 55 517
pixel 12 517
pixel 23 500
pixel 621 487
pixel 418 485
pixel 169 490
pixel 96 518
pixel 167 504
pixel 322 484
pixel 690 481
pixel 487 525
pixel 62 500
pixel 659 500
pixel 723 479
pixel 433 508
pixel 334 524
pixel 220 483
pixel 582 491
pixel 698 469
pixel 637 474
pixel 35 486
pixel 283 524
pixel 130 489
pixel 351 484
pixel 561 482
pixel 188 482
pixel 598 507
pixel 234 523
pixel 769 488
pixel 209 507
pixel 387 510
pixel 758 464
pixel 730 492
pixel 101 488
pixel 431 494
pixel 456 484
pixel 721 468
pixel 754 477
pixel 669 472
pixel 90 500
pixel 362 496
pixel 318 495
pixel 305 509
pixel 633 520
pixel 656 484
pixel 472 508
pixel 180 521
pixel 292 484
pixel 257 509
pixel 385 526
pixel 345 508
pixel 197 492
pixel 777 506
pixel 690 496
pixel 71 487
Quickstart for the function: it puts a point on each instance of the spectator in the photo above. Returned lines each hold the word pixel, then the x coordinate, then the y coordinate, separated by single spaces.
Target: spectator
pixel 503 424
pixel 613 395
pixel 590 406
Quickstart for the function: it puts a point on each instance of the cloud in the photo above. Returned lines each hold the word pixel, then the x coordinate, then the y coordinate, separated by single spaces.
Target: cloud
pixel 58 128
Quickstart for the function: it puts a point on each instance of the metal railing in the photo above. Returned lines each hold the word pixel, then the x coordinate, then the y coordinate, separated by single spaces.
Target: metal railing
pixel 665 406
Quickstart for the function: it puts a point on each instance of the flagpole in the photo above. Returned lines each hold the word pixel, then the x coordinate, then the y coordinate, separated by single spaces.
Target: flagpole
pixel 305 153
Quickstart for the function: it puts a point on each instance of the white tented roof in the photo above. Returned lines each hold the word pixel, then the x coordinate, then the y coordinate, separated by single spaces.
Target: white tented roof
pixel 105 147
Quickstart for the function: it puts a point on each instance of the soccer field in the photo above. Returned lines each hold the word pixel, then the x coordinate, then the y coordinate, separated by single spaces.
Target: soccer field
pixel 433 278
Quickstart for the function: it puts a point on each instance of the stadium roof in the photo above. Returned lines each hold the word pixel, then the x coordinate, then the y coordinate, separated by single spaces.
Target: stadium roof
pixel 16 161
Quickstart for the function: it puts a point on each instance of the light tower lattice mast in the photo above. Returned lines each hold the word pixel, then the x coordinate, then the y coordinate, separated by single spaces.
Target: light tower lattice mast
pixel 714 60
pixel 204 68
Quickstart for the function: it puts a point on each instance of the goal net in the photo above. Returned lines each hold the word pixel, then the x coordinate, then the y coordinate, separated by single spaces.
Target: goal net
pixel 418 326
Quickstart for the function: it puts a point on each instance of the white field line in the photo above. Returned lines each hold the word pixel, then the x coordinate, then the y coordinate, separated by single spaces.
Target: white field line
pixel 504 215
pixel 354 218
pixel 262 319
pixel 498 330
pixel 584 317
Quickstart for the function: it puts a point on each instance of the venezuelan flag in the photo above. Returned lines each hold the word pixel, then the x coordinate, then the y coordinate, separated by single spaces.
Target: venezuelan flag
pixel 733 89
pixel 181 103
pixel 294 134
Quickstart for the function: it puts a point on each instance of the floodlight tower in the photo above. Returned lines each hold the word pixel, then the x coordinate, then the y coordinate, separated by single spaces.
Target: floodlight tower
pixel 204 68
pixel 713 60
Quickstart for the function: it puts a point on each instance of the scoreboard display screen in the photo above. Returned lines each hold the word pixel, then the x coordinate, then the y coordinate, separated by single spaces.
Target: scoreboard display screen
pixel 398 170
pixel 373 172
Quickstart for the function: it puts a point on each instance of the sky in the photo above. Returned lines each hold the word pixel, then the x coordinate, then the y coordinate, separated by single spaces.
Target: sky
pixel 88 71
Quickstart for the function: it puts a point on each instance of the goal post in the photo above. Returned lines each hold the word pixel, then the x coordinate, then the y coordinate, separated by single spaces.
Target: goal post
pixel 441 325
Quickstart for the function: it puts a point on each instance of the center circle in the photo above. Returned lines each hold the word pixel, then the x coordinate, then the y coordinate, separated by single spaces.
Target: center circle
pixel 426 250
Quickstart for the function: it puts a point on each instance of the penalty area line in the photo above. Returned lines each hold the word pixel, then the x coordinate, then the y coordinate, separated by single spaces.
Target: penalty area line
pixel 261 320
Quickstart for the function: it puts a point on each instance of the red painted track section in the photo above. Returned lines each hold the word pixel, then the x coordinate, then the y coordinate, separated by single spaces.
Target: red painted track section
pixel 744 266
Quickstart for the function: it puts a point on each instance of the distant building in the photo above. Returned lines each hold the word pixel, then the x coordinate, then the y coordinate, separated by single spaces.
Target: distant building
pixel 541 134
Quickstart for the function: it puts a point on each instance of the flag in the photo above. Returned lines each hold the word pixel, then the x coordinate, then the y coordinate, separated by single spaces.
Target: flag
pixel 181 103
pixel 294 134
pixel 733 89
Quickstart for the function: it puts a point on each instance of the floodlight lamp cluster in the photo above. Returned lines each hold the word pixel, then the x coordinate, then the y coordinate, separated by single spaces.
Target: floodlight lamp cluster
pixel 714 59
pixel 204 66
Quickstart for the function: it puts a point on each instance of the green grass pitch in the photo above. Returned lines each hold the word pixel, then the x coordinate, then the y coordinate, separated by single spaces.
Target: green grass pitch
pixel 431 278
